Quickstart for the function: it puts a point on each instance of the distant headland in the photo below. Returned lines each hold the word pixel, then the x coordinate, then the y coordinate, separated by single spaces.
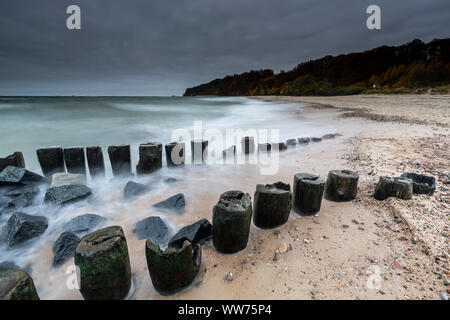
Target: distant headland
pixel 412 67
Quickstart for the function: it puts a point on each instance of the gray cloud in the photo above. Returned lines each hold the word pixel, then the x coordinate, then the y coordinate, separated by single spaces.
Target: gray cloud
pixel 160 47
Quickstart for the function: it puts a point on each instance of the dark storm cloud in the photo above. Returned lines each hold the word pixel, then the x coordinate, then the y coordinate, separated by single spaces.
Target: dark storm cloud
pixel 143 47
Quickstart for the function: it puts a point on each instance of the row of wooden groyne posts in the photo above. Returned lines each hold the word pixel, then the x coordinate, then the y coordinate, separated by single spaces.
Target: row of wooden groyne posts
pixel 57 160
pixel 103 260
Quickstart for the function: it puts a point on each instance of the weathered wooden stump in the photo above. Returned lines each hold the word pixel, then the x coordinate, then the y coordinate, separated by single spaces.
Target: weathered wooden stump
pixel 229 153
pixel 421 184
pixel 150 158
pixel 102 257
pixel 280 146
pixel 74 158
pixel 199 151
pixel 291 142
pixel 17 285
pixel 248 145
pixel 272 205
pixel 120 158
pixel 175 154
pixel 95 161
pixel 232 217
pixel 15 160
pixel 308 193
pixel 51 160
pixel 304 140
pixel 264 147
pixel 393 187
pixel 173 269
pixel 341 185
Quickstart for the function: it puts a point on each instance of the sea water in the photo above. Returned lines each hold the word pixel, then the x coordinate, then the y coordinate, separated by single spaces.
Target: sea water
pixel 27 124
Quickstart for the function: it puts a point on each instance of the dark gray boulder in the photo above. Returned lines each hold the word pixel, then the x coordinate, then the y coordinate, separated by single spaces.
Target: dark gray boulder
pixel 22 227
pixel 15 160
pixel 199 232
pixel 316 139
pixel 85 223
pixel 67 194
pixel 176 203
pixel 21 189
pixel 153 228
pixel 421 184
pixel 20 196
pixel 133 189
pixel 64 247
pixel 15 176
pixel 171 180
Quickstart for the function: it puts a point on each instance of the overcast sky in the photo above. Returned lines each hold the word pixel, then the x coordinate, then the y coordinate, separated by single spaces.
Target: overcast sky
pixel 161 47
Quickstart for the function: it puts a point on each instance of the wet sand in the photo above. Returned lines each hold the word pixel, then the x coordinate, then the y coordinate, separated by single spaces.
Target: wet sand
pixel 363 249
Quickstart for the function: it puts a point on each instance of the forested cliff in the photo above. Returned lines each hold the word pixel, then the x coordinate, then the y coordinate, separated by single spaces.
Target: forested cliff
pixel 413 65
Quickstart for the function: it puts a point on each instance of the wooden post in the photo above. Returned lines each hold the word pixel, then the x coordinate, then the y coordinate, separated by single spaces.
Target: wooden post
pixel 96 162
pixel 308 193
pixel 232 217
pixel 272 205
pixel 51 160
pixel 342 185
pixel 150 158
pixel 199 151
pixel 175 154
pixel 74 159
pixel 393 187
pixel 105 272
pixel 173 269
pixel 248 145
pixel 120 157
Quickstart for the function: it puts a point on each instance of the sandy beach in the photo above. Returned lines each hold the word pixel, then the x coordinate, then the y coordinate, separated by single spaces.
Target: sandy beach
pixel 363 249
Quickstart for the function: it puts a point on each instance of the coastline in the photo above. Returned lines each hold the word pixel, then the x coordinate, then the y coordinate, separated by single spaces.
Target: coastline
pixel 363 249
